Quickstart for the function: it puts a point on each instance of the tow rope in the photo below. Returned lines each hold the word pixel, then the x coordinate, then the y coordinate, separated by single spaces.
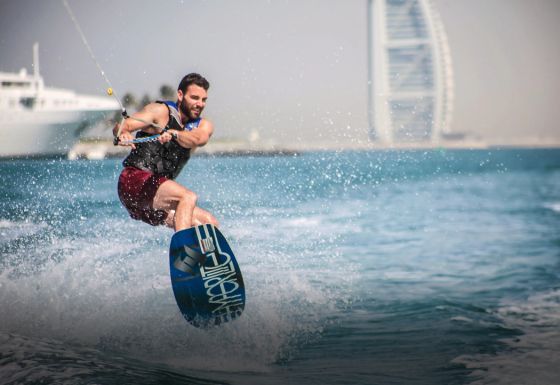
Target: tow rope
pixel 110 90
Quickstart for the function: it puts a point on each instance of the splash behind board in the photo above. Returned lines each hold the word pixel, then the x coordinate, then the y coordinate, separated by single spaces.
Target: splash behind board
pixel 205 276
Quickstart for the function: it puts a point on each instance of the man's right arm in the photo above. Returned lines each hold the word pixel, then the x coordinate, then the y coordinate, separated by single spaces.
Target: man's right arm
pixel 149 119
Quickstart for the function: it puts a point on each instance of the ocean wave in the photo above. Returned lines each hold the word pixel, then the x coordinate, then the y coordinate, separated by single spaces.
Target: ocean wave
pixel 48 361
pixel 554 206
pixel 533 357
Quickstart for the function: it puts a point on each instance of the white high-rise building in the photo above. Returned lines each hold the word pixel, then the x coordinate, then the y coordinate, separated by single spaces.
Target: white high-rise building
pixel 410 73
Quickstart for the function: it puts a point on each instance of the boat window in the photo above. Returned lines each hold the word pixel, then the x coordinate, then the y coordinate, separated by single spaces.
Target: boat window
pixel 27 102
pixel 7 83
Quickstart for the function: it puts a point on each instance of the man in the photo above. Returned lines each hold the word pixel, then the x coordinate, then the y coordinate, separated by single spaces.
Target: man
pixel 146 185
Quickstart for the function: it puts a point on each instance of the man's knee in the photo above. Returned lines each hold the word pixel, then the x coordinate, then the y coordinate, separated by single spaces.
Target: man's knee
pixel 189 197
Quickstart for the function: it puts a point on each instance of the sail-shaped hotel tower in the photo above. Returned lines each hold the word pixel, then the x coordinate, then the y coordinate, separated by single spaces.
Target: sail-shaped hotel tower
pixel 410 74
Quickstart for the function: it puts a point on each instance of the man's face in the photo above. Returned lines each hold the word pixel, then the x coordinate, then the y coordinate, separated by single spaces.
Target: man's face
pixel 193 101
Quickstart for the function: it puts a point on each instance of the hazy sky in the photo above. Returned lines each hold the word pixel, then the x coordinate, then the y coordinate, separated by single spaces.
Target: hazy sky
pixel 295 70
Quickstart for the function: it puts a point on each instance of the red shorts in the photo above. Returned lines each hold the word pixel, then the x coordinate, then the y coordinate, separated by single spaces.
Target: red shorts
pixel 137 189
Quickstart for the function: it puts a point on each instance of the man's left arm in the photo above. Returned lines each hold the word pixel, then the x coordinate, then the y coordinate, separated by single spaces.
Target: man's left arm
pixel 198 137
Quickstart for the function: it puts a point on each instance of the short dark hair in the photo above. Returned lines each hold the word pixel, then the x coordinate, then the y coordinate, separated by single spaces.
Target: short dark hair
pixel 193 78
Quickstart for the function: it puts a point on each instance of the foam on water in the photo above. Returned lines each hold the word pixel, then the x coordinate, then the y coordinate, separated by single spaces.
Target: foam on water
pixel 114 293
pixel 10 230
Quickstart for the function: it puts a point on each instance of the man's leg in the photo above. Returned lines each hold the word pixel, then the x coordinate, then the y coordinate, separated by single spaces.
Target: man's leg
pixel 172 196
pixel 175 199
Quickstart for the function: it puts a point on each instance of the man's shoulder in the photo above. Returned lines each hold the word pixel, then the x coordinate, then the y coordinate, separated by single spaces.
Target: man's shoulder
pixel 157 109
pixel 206 125
pixel 168 103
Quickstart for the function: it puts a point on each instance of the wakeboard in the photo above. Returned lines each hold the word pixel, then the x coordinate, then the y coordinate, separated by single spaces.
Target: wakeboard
pixel 205 276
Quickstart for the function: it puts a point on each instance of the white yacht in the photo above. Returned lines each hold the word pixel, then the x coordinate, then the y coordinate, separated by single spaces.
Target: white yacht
pixel 42 121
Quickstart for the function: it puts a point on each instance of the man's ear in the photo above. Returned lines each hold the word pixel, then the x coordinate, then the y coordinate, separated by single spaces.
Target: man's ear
pixel 180 95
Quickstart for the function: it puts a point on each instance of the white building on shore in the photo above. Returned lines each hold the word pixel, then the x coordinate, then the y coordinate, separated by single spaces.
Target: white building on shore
pixel 410 75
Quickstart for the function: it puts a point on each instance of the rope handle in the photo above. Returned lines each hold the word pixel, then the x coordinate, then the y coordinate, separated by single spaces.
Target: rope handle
pixel 152 138
pixel 146 139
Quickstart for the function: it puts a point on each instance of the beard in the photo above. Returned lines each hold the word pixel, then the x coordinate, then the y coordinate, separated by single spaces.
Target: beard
pixel 186 110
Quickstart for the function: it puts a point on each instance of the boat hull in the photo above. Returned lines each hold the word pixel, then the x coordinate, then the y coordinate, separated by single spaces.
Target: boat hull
pixel 45 133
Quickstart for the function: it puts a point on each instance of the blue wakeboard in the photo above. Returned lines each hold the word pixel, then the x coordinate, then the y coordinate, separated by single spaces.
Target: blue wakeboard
pixel 205 276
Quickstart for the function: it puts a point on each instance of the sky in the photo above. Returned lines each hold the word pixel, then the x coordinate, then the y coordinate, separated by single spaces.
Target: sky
pixel 293 71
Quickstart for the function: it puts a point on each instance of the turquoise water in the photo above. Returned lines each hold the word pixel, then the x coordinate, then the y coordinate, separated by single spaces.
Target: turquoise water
pixel 382 267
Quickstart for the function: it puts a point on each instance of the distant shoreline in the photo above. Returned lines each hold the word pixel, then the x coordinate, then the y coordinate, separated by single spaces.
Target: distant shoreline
pixel 104 149
pixel 98 149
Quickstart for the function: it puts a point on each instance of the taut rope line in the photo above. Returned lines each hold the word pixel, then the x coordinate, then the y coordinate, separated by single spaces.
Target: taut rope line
pixel 110 90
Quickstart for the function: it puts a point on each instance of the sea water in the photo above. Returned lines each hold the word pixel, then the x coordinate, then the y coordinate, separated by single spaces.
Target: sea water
pixel 373 267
